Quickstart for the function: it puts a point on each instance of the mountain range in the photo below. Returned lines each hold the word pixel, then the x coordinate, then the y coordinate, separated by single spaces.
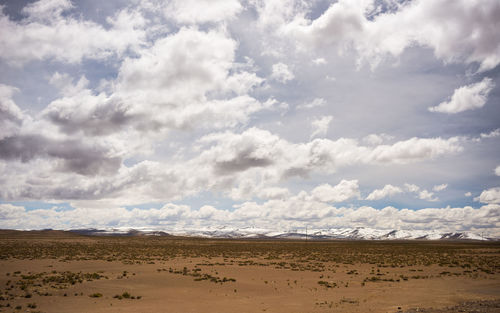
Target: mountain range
pixel 360 233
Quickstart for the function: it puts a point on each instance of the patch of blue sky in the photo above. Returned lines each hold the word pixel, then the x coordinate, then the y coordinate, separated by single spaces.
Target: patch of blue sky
pixel 35 205
pixel 145 206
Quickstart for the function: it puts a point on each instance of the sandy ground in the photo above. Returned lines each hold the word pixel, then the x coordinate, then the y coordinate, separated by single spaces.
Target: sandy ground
pixel 252 284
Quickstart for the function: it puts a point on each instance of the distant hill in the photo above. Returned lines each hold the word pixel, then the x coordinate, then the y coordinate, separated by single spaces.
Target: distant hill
pixel 9 233
pixel 116 232
pixel 360 233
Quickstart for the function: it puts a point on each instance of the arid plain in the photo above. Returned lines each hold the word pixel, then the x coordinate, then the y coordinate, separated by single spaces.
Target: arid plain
pixel 54 271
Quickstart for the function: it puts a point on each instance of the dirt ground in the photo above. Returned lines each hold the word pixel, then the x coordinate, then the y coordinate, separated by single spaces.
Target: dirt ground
pixel 60 272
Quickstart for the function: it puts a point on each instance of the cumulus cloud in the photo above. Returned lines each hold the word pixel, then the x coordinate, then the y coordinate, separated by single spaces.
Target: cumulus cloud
pixel 76 157
pixel 315 103
pixel 390 190
pixel 273 193
pixel 49 32
pixel 181 67
pixel 319 61
pixel 497 170
pixel 196 11
pixel 489 196
pixel 376 139
pixel 412 187
pixel 415 149
pixel 439 187
pixel 320 126
pixel 166 87
pixel 457 31
pixel 235 153
pixel 47 9
pixel 427 195
pixel 82 110
pixel 24 140
pixel 240 165
pixel 343 191
pixel 281 73
pixel 11 116
pixel 465 98
pixel 257 148
pixel 387 191
pixel 145 181
pixel 494 133
pixel 344 18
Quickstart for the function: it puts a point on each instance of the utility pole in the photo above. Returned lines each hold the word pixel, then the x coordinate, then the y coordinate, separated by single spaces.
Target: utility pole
pixel 306 232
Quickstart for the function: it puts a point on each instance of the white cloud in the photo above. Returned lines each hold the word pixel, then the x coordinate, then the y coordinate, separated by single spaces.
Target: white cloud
pixel 439 187
pixel 273 193
pixel 47 9
pixel 179 69
pixel 281 73
pixel 414 149
pixel 424 194
pixel 11 116
pixel 343 191
pixel 465 98
pixel 457 31
pixel 427 195
pixel 377 139
pixel 320 126
pixel 489 196
pixel 468 194
pixel 274 13
pixel 238 165
pixel 492 134
pixel 247 188
pixel 497 170
pixel 315 103
pixel 319 61
pixel 46 33
pixel 412 187
pixel 202 11
pixel 373 139
pixel 390 190
pixel 260 148
pixel 387 191
pixel 166 87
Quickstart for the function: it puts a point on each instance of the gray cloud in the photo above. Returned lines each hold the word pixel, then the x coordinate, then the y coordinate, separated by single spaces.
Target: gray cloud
pixel 77 158
pixel 241 162
pixel 11 117
pixel 102 120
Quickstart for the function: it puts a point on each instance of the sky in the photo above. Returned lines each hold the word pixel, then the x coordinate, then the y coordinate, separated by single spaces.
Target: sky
pixel 273 114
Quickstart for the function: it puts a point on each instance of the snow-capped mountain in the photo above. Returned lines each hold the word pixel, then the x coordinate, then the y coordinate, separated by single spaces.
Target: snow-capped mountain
pixel 360 233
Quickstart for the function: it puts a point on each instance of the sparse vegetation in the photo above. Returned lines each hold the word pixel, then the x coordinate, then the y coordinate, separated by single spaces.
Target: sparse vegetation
pixel 126 295
pixel 332 266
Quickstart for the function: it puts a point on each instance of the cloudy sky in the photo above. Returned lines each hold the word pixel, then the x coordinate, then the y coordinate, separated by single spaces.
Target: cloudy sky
pixel 276 114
